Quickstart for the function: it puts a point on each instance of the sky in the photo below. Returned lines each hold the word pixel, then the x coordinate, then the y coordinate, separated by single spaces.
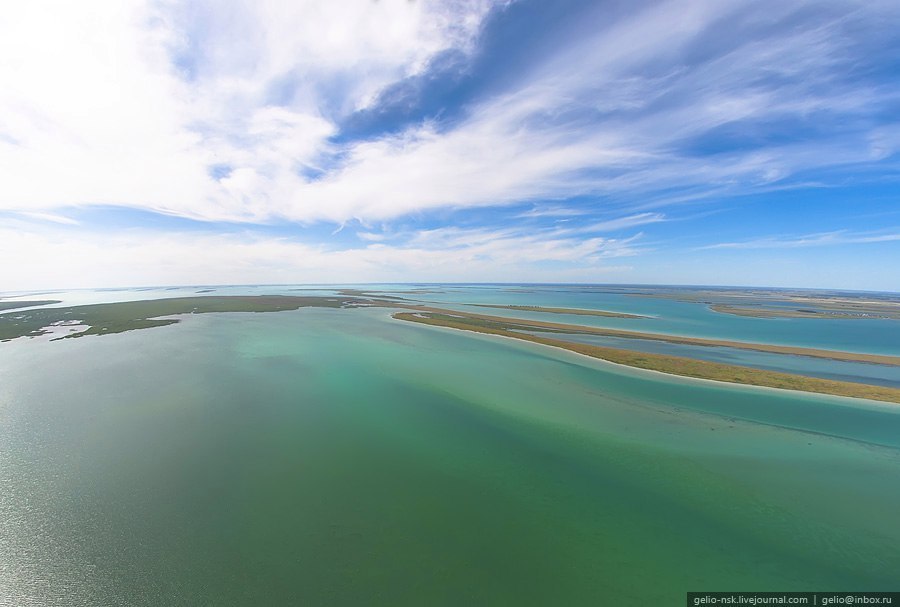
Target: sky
pixel 705 142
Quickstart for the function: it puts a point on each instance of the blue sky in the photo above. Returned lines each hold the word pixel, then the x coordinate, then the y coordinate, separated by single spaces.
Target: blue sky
pixel 690 142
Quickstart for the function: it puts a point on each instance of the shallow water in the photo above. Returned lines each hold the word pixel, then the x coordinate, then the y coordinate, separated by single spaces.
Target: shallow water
pixel 867 373
pixel 666 315
pixel 341 457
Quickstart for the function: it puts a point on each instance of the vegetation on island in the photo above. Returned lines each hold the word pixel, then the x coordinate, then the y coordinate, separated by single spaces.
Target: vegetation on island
pixel 573 311
pixel 674 365
pixel 108 318
pixel 760 312
pixel 521 324
pixel 787 303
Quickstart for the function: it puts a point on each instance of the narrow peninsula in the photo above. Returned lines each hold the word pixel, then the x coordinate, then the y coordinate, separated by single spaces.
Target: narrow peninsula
pixel 674 365
pixel 111 318
pixel 572 311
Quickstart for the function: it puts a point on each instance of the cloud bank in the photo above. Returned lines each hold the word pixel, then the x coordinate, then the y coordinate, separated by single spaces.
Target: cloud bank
pixel 411 120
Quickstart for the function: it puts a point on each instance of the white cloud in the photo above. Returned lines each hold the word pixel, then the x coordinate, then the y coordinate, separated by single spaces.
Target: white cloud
pixel 225 111
pixel 549 210
pixel 51 217
pixel 93 111
pixel 89 113
pixel 541 140
pixel 840 237
pixel 52 257
pixel 622 223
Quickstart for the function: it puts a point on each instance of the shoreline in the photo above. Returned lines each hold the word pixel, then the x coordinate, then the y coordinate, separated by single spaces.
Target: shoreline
pixel 680 366
pixel 641 371
pixel 109 318
pixel 822 314
pixel 119 317
pixel 551 310
pixel 553 327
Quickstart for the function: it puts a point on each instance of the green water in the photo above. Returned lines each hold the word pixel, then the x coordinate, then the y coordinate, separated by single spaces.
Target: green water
pixel 338 457
pixel 867 373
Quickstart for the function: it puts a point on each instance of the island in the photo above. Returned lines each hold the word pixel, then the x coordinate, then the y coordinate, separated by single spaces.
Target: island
pixel 674 365
pixel 785 303
pixel 856 312
pixel 111 318
pixel 12 305
pixel 573 311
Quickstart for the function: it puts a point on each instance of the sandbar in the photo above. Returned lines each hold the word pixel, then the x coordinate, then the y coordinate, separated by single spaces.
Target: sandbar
pixel 508 323
pixel 573 311
pixel 674 365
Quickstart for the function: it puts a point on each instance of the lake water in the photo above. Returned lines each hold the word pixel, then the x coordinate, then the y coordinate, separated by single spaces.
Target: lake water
pixel 339 457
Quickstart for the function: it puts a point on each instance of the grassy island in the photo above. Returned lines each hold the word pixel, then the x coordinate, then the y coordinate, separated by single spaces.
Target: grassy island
pixel 759 312
pixel 785 303
pixel 521 324
pixel 675 365
pixel 573 311
pixel 107 318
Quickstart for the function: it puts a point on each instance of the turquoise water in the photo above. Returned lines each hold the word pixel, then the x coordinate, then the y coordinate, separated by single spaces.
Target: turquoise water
pixel 868 373
pixel 665 315
pixel 339 457
pixel 684 318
